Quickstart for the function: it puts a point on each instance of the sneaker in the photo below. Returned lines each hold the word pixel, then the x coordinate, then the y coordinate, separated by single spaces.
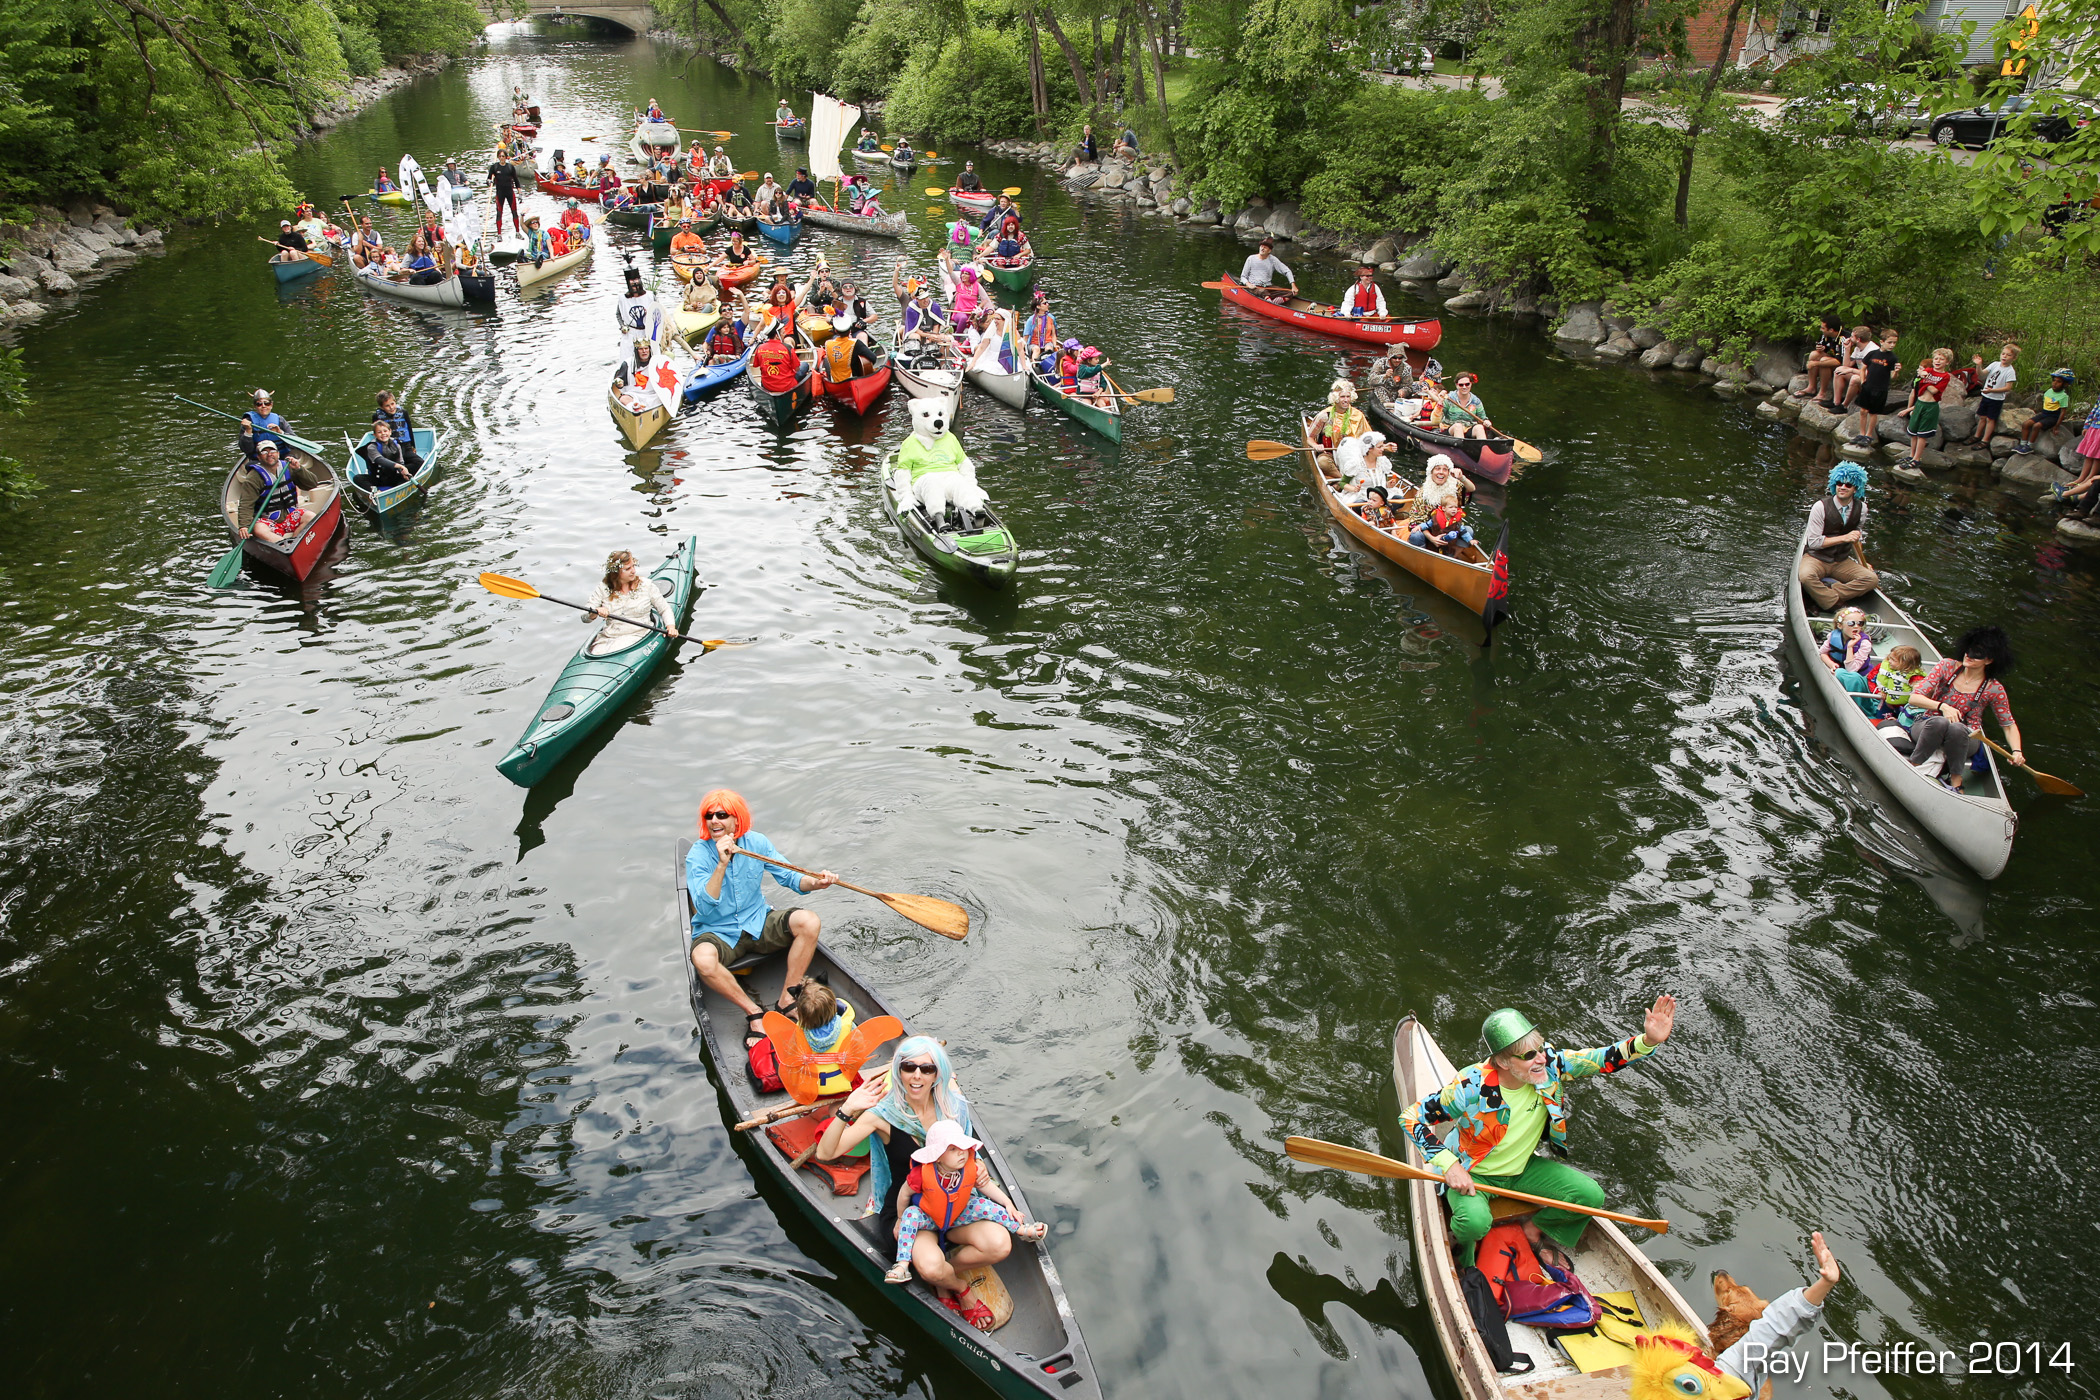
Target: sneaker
pixel 2024 448
pixel 1862 441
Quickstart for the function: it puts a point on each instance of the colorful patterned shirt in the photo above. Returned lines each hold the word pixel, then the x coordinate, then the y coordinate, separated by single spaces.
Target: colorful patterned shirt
pixel 1474 1102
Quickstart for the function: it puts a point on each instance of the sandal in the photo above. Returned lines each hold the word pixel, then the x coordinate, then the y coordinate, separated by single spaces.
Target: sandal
pixel 754 1030
pixel 977 1314
pixel 898 1273
pixel 1034 1232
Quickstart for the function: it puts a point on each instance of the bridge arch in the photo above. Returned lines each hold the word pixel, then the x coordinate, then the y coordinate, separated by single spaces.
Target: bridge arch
pixel 634 19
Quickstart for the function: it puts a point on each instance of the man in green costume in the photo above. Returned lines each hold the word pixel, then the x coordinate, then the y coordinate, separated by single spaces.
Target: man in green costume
pixel 1482 1128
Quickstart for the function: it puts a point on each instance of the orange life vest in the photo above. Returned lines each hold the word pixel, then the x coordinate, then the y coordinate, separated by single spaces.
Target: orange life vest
pixel 838 359
pixel 942 1206
pixel 803 1071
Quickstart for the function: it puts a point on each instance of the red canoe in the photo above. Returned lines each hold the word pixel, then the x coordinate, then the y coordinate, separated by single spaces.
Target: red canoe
pixel 860 393
pixel 561 191
pixel 1297 311
pixel 297 555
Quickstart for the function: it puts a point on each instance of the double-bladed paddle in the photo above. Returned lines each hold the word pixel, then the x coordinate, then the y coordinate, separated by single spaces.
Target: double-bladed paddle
pixel 946 919
pixel 1315 1153
pixel 518 588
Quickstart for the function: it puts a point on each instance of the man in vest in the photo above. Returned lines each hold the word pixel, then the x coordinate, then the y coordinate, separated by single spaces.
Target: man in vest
pixel 1365 298
pixel 1483 1127
pixel 265 487
pixel 846 358
pixel 731 920
pixel 1832 571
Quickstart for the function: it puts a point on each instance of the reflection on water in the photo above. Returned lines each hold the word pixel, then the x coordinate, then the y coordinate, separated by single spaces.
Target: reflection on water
pixel 338 1064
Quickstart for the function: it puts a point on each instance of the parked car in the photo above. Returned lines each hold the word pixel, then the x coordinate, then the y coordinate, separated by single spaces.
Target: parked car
pixel 1866 107
pixel 1413 60
pixel 1979 126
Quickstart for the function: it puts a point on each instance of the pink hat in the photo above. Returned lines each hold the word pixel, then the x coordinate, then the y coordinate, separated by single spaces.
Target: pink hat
pixel 944 1134
pixel 1090 353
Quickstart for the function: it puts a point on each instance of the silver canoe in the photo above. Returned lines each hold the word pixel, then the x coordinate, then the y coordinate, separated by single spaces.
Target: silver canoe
pixel 1605 1260
pixel 1976 824
pixel 445 293
pixel 943 383
pixel 884 226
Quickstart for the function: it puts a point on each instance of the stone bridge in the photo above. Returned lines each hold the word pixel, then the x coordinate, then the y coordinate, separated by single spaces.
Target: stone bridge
pixel 636 19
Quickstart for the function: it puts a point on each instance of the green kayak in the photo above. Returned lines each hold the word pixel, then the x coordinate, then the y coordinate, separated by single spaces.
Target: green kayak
pixel 1106 421
pixel 634 216
pixel 1015 279
pixel 660 237
pixel 591 688
pixel 986 554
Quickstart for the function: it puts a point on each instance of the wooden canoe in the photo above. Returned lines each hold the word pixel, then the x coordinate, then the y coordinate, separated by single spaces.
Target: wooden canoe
pixel 859 393
pixel 1484 459
pixel 1328 320
pixel 590 689
pixel 381 500
pixel 1605 1260
pixel 1976 824
pixel 984 552
pixel 781 410
pixel 1038 1354
pixel 297 554
pixel 1106 421
pixel 1465 576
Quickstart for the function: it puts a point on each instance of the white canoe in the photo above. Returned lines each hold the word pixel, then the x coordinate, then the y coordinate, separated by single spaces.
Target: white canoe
pixel 881 226
pixel 445 293
pixel 1010 389
pixel 1605 1260
pixel 1976 824
pixel 529 275
pixel 943 383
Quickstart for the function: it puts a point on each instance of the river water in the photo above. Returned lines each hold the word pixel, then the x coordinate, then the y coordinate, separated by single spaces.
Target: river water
pixel 336 1065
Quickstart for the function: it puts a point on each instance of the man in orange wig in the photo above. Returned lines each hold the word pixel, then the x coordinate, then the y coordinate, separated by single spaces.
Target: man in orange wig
pixel 731 919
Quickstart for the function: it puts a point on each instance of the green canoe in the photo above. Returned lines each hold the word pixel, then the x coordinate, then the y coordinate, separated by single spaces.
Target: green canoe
pixel 660 237
pixel 634 216
pixel 591 689
pixel 987 555
pixel 1015 279
pixel 1106 421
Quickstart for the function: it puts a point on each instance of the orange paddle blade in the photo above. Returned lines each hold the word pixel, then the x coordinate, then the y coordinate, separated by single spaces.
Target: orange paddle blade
pixel 1215 286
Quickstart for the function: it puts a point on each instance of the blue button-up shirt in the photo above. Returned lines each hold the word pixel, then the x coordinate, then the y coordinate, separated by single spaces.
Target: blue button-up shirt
pixel 741 911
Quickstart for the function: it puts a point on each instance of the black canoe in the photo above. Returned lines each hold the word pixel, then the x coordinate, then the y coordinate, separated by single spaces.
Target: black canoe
pixel 1484 459
pixel 1039 1352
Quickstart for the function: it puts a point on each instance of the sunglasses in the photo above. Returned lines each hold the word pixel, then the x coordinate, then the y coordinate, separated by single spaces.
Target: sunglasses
pixel 711 816
pixel 1538 1054
pixel 916 1067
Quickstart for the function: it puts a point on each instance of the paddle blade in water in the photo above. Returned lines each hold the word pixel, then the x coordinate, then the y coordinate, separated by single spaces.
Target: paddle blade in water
pixel 1526 451
pixel 2056 787
pixel 1262 450
pixel 226 570
pixel 716 643
pixel 508 587
pixel 1315 1153
pixel 947 920
pixel 1215 286
pixel 1165 395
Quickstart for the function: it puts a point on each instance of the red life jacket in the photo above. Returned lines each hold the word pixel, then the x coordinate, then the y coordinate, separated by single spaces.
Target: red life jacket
pixel 1364 300
pixel 942 1207
pixel 1447 517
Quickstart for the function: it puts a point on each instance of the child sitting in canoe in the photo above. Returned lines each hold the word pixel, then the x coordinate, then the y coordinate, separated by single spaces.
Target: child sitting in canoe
pixel 1377 508
pixel 1849 652
pixel 1090 383
pixel 1442 502
pixel 946 1189
pixel 1899 674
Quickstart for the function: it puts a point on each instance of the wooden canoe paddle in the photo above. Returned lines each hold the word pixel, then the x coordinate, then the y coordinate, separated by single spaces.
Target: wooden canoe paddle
pixel 947 920
pixel 1163 395
pixel 2055 787
pixel 1264 450
pixel 518 588
pixel 323 259
pixel 1315 1153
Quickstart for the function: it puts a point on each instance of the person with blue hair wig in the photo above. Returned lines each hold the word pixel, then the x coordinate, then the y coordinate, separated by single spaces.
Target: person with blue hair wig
pixel 1833 570
pixel 899 1106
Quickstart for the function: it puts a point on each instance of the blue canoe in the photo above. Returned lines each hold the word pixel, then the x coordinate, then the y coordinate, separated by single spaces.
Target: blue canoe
pixel 293 271
pixel 380 500
pixel 708 380
pixel 783 234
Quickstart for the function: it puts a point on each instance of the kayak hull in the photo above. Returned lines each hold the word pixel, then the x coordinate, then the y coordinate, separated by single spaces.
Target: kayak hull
pixel 590 689
pixel 987 556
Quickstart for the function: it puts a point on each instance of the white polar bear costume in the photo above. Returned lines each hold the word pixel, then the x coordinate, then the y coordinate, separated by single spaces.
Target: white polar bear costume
pixel 932 466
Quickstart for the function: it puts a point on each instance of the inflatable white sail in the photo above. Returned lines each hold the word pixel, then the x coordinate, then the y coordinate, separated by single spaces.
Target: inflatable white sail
pixel 830 121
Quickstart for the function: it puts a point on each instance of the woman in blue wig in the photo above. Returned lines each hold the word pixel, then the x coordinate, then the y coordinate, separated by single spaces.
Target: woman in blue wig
pixel 900 1106
pixel 1833 571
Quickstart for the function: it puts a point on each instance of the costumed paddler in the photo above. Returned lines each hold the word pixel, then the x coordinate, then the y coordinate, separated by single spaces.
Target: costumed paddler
pixel 1483 1127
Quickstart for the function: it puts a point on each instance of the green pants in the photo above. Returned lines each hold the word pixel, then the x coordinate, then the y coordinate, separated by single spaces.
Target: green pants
pixel 1542 1176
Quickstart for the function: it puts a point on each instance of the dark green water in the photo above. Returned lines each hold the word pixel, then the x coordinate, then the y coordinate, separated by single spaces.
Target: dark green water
pixel 334 1065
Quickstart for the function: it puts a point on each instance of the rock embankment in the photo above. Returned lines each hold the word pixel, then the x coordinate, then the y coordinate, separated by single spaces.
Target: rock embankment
pixel 61 253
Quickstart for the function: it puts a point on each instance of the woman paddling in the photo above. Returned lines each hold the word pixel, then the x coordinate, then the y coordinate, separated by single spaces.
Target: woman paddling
pixel 1955 694
pixel 624 600
pixel 900 1106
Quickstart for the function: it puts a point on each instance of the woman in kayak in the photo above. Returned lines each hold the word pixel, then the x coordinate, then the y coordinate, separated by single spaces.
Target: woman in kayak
pixel 624 600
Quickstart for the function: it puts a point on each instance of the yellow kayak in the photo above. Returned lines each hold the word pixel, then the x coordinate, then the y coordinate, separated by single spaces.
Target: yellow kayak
pixel 390 197
pixel 694 324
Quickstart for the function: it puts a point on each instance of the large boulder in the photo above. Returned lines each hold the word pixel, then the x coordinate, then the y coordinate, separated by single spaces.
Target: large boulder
pixel 1658 355
pixel 1583 326
pixel 1773 365
pixel 1614 350
pixel 1181 208
pixel 15 288
pixel 70 257
pixel 1284 222
pixel 56 282
pixel 1647 337
pixel 1249 219
pixel 1687 357
pixel 1383 251
pixel 1208 214
pixel 1958 421
pixel 2078 532
pixel 1471 300
pixel 92 241
pixel 1818 419
pixel 1427 265
pixel 2033 469
pixel 1969 454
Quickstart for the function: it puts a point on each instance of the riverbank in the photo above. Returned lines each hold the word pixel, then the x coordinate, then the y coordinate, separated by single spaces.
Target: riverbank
pixel 63 252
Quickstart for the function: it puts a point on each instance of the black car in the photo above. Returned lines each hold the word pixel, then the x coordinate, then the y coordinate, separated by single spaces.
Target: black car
pixel 1979 126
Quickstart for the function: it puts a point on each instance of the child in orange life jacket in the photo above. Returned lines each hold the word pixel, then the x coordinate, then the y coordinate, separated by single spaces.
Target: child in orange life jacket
pixel 948 1190
pixel 1376 508
pixel 826 1021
